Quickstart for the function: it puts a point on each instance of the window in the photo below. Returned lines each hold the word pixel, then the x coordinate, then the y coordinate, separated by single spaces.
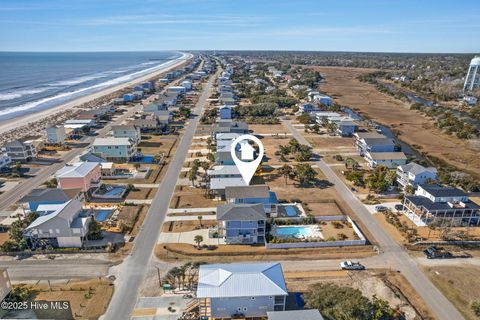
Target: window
pixel 57 231
pixel 244 309
pixel 50 231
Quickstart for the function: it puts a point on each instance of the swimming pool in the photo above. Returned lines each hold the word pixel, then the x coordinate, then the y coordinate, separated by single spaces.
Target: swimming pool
pixel 291 211
pixel 115 192
pixel 102 214
pixel 293 231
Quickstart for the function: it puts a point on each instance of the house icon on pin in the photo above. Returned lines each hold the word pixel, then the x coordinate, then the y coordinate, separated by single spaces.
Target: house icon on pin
pixel 247 151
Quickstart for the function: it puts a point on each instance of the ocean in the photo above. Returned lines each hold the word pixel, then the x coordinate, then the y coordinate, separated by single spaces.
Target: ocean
pixel 31 82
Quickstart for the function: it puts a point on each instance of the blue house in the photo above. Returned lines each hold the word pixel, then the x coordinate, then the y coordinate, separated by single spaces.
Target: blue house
pixel 128 97
pixel 240 290
pixel 241 223
pixel 226 112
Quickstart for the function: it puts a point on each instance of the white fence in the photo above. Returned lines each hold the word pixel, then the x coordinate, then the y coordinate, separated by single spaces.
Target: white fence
pixel 318 244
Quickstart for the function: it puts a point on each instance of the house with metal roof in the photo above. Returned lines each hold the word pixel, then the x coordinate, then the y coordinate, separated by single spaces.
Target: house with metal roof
pixel 390 160
pixel 217 185
pixel 65 227
pixel 127 131
pixel 228 126
pixel 413 174
pixel 440 205
pixel 80 175
pixel 115 149
pixel 21 151
pixel 384 144
pixel 224 171
pixel 241 223
pixel 243 290
pixel 226 112
pixel 308 314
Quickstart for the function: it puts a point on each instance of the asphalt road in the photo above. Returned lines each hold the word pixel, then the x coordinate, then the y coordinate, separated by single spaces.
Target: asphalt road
pixel 10 197
pixel 393 253
pixel 132 271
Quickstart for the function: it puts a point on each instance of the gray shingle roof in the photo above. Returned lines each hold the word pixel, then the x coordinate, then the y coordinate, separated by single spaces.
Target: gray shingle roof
pixel 437 190
pixel 255 191
pixel 241 280
pixel 415 168
pixel 241 212
pixel 47 195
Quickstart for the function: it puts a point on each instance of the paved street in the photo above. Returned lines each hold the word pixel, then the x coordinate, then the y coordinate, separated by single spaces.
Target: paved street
pixel 14 194
pixel 132 271
pixel 394 255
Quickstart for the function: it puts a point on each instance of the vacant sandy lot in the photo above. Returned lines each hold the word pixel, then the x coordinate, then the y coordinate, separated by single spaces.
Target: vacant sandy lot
pixel 412 127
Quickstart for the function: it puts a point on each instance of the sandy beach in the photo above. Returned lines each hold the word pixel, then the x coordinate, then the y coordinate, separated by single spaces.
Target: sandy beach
pixel 28 119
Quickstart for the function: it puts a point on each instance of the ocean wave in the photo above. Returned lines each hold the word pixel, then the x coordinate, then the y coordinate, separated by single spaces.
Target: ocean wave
pixel 63 97
pixel 10 95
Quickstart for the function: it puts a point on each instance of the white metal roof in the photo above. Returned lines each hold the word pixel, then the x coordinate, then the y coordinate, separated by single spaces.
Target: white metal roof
pixel 77 170
pixel 241 280
pixel 111 142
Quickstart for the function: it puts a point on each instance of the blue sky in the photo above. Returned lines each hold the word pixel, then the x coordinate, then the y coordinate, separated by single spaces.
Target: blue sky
pixel 134 25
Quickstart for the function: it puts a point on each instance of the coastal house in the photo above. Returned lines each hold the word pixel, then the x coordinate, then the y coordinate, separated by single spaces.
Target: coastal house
pixel 224 171
pixel 65 227
pixel 5 160
pixel 80 175
pixel 307 314
pixel 252 194
pixel 229 126
pixel 177 89
pixel 307 108
pixel 225 112
pixel 217 185
pixel 241 223
pixel 320 98
pixel 127 131
pixel 187 84
pixel 346 127
pixel 152 107
pixel 115 149
pixel 48 196
pixel 56 134
pixel 240 290
pixel 79 123
pixel 437 205
pixel 147 123
pixel 21 151
pixel 390 160
pixel 413 174
pixel 375 145
pixel 164 117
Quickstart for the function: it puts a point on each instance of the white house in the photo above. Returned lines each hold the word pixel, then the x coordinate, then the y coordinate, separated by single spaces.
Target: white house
pixel 240 290
pixel 389 159
pixel 127 131
pixel 5 159
pixel 413 174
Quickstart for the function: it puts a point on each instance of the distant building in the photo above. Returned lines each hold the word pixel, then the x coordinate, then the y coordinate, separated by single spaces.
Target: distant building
pixel 413 174
pixel 389 159
pixel 127 131
pixel 115 149
pixel 48 196
pixel 56 134
pixel 307 107
pixel 21 151
pixel 240 290
pixel 187 85
pixel 5 160
pixel 178 89
pixel 225 112
pixel 375 145
pixel 441 206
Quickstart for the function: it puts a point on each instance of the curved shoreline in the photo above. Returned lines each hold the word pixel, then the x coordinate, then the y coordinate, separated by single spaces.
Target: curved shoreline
pixel 24 120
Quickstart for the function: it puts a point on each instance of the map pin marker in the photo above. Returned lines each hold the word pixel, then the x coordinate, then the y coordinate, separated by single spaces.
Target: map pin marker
pixel 247 168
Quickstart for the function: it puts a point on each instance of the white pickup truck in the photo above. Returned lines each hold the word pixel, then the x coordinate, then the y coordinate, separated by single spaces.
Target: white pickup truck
pixel 350 265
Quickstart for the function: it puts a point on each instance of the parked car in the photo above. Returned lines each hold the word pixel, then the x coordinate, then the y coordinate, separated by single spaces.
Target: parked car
pixel 437 253
pixel 350 265
pixel 399 207
pixel 381 208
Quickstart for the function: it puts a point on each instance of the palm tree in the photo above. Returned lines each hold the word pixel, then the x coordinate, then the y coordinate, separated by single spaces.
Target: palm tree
pixel 286 171
pixel 205 165
pixel 198 239
pixel 200 220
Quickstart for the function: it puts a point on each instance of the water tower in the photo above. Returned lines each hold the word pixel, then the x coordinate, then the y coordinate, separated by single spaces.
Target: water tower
pixel 473 75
